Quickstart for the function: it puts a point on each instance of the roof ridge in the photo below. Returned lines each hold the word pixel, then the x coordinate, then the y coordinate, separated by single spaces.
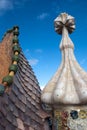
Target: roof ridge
pixel 9 31
pixel 7 80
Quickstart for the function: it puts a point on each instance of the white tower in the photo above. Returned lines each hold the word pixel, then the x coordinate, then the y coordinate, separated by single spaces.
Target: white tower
pixel 66 92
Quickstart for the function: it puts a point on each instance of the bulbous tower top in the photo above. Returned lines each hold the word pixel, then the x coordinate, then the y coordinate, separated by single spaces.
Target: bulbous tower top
pixel 68 86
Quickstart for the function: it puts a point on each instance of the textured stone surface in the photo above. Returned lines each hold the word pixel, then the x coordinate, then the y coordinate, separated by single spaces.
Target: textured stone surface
pixel 64 121
pixel 78 124
pixel 20 108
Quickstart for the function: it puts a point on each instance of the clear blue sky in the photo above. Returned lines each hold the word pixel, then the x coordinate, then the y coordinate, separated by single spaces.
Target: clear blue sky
pixel 39 41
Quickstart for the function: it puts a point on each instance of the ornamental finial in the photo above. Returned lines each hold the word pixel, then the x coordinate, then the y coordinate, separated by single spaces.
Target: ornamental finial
pixel 64 20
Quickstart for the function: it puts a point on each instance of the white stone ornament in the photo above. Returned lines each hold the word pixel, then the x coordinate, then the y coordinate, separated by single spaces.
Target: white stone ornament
pixel 69 84
pixel 64 20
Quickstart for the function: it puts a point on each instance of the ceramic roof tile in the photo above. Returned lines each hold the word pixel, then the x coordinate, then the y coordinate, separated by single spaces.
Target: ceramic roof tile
pixel 15 112
pixel 10 116
pixel 15 122
pixel 21 114
pixel 2 128
pixel 27 120
pixel 22 103
pixel 12 97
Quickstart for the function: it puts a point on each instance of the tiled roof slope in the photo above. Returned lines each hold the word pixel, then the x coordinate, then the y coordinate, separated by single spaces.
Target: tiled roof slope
pixel 20 108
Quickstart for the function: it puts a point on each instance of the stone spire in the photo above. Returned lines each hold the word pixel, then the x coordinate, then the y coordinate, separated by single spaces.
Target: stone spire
pixel 69 84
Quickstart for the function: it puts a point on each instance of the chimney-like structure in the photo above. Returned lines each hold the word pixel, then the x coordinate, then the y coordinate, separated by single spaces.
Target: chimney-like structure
pixel 66 92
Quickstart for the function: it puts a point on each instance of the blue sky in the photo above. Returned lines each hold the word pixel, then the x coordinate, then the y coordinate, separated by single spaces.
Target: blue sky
pixel 39 41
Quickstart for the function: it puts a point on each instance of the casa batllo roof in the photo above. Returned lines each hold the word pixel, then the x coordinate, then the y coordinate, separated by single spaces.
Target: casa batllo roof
pixel 20 105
